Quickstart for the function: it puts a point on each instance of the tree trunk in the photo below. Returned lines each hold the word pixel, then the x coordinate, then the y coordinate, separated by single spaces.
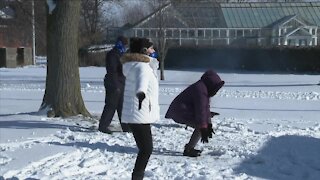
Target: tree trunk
pixel 163 47
pixel 162 68
pixel 163 53
pixel 63 94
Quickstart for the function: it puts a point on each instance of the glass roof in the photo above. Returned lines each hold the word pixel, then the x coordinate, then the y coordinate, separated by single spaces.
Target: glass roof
pixel 265 14
pixel 234 15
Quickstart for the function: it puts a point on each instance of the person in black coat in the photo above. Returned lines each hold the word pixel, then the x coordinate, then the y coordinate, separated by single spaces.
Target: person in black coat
pixel 114 86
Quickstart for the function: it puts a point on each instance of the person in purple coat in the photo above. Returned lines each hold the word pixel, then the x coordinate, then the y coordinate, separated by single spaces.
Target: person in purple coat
pixel 192 108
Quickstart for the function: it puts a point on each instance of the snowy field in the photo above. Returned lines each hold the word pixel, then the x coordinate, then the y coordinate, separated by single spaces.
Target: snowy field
pixel 269 128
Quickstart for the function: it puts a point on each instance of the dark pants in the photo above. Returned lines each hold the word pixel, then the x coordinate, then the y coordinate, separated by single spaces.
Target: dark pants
pixel 143 137
pixel 195 137
pixel 113 102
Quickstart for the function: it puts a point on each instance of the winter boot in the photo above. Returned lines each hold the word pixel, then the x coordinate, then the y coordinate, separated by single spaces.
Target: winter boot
pixel 137 176
pixel 191 152
pixel 105 130
pixel 187 147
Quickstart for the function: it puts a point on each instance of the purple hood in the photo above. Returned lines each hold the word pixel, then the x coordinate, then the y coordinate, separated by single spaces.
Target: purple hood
pixel 192 106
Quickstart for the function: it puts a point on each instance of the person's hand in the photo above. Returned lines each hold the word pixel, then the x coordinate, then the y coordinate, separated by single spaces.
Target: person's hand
pixel 210 130
pixel 204 135
pixel 140 96
pixel 212 114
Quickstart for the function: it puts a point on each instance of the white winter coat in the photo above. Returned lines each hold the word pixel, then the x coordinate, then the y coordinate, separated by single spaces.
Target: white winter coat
pixel 141 76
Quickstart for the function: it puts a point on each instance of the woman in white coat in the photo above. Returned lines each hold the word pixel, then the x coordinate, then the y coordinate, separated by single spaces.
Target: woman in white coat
pixel 141 98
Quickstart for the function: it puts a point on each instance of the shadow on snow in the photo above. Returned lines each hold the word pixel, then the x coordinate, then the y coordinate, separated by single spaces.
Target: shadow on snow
pixel 286 157
pixel 116 148
pixel 25 124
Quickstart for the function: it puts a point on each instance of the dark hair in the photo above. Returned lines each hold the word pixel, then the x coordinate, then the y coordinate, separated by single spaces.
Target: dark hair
pixel 138 45
pixel 146 43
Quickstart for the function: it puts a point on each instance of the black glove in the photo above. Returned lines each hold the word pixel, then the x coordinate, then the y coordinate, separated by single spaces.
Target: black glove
pixel 210 130
pixel 140 96
pixel 214 114
pixel 204 135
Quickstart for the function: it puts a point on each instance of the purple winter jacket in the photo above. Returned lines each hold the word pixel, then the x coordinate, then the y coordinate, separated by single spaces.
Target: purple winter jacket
pixel 192 106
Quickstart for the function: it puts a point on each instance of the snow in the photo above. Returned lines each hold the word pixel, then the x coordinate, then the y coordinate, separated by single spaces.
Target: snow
pixel 52 5
pixel 268 128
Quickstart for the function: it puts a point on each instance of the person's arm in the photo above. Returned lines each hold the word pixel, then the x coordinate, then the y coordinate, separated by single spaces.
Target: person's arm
pixel 201 108
pixel 112 64
pixel 142 77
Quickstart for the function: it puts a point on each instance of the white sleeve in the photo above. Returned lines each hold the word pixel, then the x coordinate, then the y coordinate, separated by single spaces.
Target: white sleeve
pixel 142 77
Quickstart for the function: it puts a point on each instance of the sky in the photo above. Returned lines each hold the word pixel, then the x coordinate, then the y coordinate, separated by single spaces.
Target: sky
pixel 268 128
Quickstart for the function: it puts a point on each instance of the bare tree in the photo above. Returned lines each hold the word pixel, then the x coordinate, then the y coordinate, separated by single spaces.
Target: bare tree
pixel 134 14
pixel 62 95
pixel 161 19
pixel 94 22
pixel 20 18
pixel 92 26
pixel 40 27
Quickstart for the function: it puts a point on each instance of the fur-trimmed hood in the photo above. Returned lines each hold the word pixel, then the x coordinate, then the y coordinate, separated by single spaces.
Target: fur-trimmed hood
pixel 134 57
pixel 129 60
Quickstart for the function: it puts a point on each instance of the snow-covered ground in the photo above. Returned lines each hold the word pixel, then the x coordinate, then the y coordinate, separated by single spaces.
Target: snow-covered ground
pixel 269 128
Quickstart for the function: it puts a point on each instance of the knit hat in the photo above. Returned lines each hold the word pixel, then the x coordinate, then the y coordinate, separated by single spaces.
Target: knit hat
pixel 123 39
pixel 146 43
pixel 137 45
pixel 121 44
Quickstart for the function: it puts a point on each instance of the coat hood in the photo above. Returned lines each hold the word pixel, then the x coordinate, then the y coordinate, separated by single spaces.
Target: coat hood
pixel 212 81
pixel 129 60
pixel 134 57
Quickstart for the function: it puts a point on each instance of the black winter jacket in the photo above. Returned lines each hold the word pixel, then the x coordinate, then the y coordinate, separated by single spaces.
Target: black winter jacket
pixel 114 77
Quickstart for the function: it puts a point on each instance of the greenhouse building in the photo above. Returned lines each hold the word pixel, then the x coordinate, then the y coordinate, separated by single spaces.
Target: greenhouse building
pixel 208 23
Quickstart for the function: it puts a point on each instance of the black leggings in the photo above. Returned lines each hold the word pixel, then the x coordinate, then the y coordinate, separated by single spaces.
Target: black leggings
pixel 143 137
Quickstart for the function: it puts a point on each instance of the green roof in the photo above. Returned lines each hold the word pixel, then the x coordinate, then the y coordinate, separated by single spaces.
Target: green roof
pixel 252 15
pixel 189 15
pixel 235 15
pixel 201 14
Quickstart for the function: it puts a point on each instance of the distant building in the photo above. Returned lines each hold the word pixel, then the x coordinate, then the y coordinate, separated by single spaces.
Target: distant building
pixel 15 34
pixel 210 23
